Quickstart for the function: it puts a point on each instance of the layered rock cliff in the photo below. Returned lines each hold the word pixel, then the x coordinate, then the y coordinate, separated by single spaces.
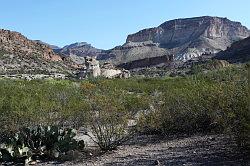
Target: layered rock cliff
pixel 182 38
pixel 133 51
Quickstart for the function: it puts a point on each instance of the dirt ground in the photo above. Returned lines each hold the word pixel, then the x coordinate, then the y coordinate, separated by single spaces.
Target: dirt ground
pixel 153 150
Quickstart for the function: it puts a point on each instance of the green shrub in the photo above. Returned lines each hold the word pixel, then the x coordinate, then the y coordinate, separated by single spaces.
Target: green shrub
pixel 108 120
pixel 242 122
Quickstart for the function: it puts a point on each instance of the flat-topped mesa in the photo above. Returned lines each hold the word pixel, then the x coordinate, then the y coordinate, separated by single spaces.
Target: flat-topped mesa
pixel 179 31
pixel 16 43
pixel 192 37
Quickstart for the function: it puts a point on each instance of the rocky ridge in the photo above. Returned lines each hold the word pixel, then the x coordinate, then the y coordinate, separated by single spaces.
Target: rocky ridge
pixel 53 47
pixel 77 51
pixel 16 43
pixel 183 38
pixel 19 55
pixel 81 49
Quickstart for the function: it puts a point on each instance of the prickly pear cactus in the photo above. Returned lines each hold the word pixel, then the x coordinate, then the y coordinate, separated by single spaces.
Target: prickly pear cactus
pixel 50 141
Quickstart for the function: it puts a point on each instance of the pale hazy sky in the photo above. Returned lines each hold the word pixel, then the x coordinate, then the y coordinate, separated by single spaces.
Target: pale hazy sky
pixel 106 23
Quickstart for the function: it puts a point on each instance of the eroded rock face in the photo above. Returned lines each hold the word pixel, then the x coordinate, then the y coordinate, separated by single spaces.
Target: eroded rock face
pixel 133 51
pixel 238 52
pixel 15 43
pixel 107 70
pixel 92 67
pixel 19 55
pixel 111 73
pixel 147 62
pixel 177 32
pixel 183 38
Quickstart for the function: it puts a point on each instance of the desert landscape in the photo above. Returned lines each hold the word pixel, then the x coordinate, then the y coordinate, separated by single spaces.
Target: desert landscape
pixel 174 94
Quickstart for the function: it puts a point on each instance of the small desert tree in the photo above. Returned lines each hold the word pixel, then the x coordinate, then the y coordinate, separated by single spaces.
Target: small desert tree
pixel 108 119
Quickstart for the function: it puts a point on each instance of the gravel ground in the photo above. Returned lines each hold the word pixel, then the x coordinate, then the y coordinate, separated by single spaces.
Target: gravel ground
pixel 152 150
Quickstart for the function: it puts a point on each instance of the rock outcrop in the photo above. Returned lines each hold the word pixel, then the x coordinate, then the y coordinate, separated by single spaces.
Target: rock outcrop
pixel 108 70
pixel 92 69
pixel 183 38
pixel 238 52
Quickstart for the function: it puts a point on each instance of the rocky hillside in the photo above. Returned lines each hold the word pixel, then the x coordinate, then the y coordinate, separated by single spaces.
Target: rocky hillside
pixel 238 52
pixel 80 49
pixel 16 43
pixel 182 38
pixel 133 51
pixel 19 55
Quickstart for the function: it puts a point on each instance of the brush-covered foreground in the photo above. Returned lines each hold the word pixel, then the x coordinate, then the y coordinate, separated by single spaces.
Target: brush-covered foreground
pixel 215 102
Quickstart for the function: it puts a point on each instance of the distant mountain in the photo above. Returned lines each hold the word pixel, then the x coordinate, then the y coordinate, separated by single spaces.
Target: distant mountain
pixel 238 52
pixel 81 49
pixel 181 38
pixel 77 51
pixel 19 55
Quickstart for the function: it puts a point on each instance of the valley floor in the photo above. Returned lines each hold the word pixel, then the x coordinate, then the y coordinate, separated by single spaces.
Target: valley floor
pixel 152 150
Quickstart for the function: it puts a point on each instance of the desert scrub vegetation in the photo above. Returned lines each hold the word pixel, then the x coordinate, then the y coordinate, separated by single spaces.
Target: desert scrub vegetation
pixel 212 102
pixel 108 120
pixel 24 103
pixel 56 106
